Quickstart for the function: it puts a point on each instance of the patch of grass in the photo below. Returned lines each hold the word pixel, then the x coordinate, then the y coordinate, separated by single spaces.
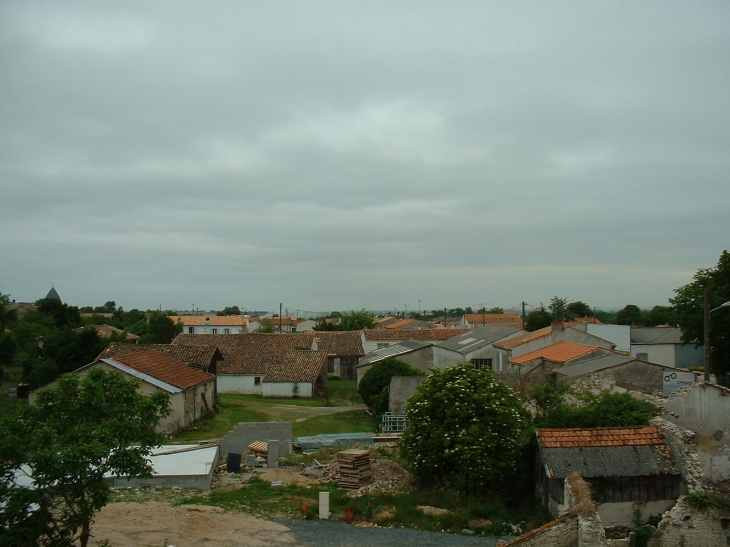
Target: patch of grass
pixel 215 425
pixel 352 421
pixel 315 401
pixel 343 391
pixel 704 501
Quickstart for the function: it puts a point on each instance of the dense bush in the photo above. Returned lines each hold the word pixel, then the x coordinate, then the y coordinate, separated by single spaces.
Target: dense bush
pixel 466 430
pixel 377 378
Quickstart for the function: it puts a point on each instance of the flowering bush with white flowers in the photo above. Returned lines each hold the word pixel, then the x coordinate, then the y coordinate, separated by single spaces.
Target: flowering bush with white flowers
pixel 466 430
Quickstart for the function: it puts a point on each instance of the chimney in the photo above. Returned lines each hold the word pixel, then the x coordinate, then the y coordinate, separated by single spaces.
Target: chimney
pixel 558 326
pixel 207 320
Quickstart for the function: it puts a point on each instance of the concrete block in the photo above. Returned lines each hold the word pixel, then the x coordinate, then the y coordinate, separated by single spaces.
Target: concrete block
pixel 324 505
pixel 272 457
pixel 250 460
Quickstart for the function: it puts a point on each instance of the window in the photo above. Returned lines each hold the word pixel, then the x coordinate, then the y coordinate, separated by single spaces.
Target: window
pixel 226 331
pixel 479 363
pixel 257 380
pixel 191 330
pixel 215 331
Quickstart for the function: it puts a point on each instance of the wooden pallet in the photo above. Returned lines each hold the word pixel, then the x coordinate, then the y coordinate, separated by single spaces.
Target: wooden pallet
pixel 259 447
pixel 354 468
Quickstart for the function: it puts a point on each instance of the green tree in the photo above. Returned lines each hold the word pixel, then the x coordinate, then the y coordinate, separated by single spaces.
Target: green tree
pixel 378 376
pixel 63 314
pixel 162 329
pixel 6 314
pixel 266 326
pixel 538 319
pixel 688 304
pixel 559 309
pixel 230 310
pixel 606 409
pixel 465 430
pixel 629 315
pixel 660 315
pixel 579 309
pixel 357 320
pixel 76 432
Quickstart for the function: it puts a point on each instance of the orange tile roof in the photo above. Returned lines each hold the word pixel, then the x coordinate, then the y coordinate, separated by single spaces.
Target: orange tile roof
pixel 599 437
pixel 511 343
pixel 165 368
pixel 495 318
pixel 347 343
pixel 212 320
pixel 195 356
pixel 581 320
pixel 400 324
pixel 298 365
pixel 248 353
pixel 413 334
pixel 557 353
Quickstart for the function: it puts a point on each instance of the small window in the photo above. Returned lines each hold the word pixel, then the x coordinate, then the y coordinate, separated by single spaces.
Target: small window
pixel 226 331
pixel 215 331
pixel 293 329
pixel 191 330
pixel 257 380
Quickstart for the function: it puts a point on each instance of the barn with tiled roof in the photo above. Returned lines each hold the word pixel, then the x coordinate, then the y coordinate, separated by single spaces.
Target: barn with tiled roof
pixel 626 467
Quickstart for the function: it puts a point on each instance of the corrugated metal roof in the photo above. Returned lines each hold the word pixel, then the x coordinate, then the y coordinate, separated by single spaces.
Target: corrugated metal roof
pixel 592 365
pixel 477 338
pixel 659 335
pixel 392 351
pixel 609 461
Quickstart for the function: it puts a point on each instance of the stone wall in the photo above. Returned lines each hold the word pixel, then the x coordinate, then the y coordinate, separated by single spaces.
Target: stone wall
pixel 688 526
pixel 401 389
pixel 238 438
pixel 681 443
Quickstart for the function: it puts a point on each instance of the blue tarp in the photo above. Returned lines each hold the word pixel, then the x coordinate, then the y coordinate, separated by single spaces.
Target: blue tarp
pixel 331 440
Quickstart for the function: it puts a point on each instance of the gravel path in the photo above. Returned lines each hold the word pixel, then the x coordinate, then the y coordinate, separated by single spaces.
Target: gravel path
pixel 316 533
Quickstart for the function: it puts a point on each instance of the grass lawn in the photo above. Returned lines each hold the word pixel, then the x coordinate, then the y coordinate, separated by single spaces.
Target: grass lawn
pixel 343 391
pixel 352 421
pixel 308 416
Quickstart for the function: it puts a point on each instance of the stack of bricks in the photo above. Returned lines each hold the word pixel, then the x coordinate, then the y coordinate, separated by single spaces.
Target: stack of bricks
pixel 354 468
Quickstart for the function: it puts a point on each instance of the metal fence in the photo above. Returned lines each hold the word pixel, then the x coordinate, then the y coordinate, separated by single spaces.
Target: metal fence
pixel 393 423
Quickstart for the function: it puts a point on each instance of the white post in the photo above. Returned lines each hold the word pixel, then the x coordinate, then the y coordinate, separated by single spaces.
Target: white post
pixel 324 505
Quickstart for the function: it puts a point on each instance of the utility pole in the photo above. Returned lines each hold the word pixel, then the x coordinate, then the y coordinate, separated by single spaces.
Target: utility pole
pixel 523 314
pixel 280 308
pixel 707 334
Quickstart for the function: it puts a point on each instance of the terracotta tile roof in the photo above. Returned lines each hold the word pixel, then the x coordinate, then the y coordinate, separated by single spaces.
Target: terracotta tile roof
pixel 400 324
pixel 580 321
pixel 384 319
pixel 499 319
pixel 105 331
pixel 248 353
pixel 559 352
pixel 297 365
pixel 165 368
pixel 212 320
pixel 599 437
pixel 293 321
pixel 194 356
pixel 340 343
pixel 511 343
pixel 413 334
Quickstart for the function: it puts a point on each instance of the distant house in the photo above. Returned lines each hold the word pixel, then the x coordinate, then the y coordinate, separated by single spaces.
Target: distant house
pixel 509 320
pixel 344 350
pixel 540 365
pixel 626 467
pixel 382 338
pixel 212 324
pixel 248 359
pixel 191 391
pixel 663 345
pixel 416 353
pixel 300 373
pixel 619 335
pixel 201 357
pixel 508 348
pixel 105 331
pixel 473 345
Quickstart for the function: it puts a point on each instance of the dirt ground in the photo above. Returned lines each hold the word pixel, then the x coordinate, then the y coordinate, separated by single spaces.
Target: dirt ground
pixel 157 524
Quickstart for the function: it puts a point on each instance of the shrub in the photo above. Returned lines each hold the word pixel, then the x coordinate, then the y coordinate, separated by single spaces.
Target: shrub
pixel 466 430
pixel 377 378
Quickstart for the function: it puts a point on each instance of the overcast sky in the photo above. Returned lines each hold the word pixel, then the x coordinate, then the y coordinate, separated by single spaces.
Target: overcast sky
pixel 347 155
